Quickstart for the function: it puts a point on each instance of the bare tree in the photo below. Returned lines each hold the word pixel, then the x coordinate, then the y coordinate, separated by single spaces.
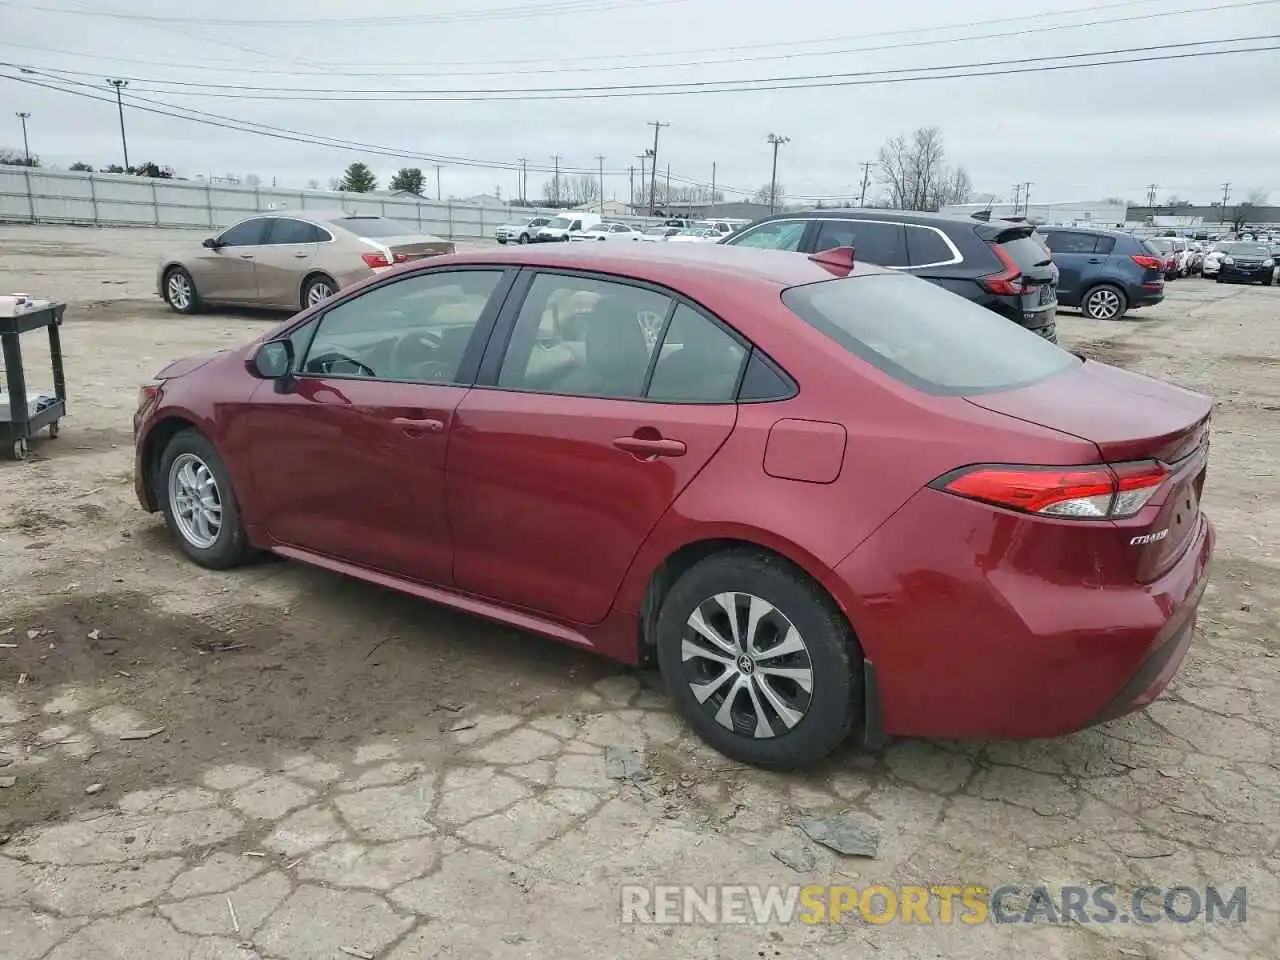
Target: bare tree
pixel 252 180
pixel 914 172
pixel 584 189
pixel 762 196
pixel 1258 197
pixel 335 184
pixel 553 190
pixel 313 184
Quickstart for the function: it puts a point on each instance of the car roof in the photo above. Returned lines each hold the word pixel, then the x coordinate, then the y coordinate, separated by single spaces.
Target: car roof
pixel 868 213
pixel 670 266
pixel 1102 231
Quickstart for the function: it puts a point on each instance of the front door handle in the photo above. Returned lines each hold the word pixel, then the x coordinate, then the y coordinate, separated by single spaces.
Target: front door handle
pixel 649 449
pixel 427 425
pixel 301 253
pixel 246 256
pixel 1095 259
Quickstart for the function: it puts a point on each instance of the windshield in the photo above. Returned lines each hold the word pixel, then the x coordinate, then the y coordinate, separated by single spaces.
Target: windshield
pixel 372 227
pixel 1162 244
pixel 560 223
pixel 925 336
pixel 1248 250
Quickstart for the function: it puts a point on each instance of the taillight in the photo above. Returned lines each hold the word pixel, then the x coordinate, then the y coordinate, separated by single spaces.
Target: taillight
pixel 1096 492
pixel 147 395
pixel 1146 262
pixel 1008 282
pixel 376 260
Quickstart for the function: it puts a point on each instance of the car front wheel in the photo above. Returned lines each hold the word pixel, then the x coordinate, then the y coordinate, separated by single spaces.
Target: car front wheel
pixel 180 291
pixel 1105 303
pixel 759 661
pixel 194 490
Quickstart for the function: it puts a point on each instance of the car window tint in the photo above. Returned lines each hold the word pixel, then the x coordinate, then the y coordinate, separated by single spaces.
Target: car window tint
pixel 925 336
pixel 584 337
pixel 1026 251
pixel 416 329
pixel 763 381
pixel 926 246
pixel 247 234
pixel 1073 243
pixel 700 362
pixel 1104 245
pixel 780 235
pixel 883 244
pixel 292 231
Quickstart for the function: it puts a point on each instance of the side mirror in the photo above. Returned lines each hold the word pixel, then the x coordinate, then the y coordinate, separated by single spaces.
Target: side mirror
pixel 210 243
pixel 272 361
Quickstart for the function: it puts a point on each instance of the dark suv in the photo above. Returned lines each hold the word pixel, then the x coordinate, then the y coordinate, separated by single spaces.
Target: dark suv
pixel 1248 260
pixel 1105 272
pixel 1000 265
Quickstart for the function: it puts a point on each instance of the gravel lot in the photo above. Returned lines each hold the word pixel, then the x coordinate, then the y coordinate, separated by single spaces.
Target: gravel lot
pixel 342 767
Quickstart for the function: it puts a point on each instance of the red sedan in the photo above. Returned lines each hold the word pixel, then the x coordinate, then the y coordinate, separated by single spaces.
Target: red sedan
pixel 822 498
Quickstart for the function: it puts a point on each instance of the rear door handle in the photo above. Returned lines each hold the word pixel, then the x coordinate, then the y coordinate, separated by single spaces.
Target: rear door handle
pixel 1095 259
pixel 246 256
pixel 427 425
pixel 648 449
pixel 301 253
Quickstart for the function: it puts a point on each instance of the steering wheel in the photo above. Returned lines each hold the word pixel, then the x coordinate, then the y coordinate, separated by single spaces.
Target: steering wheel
pixel 326 361
pixel 416 356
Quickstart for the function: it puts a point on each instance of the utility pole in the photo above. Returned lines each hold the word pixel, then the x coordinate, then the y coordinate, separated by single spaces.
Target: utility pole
pixel 713 188
pixel 1226 192
pixel 555 184
pixel 524 180
pixel 653 159
pixel 124 143
pixel 866 178
pixel 642 158
pixel 1026 197
pixel 437 182
pixel 1017 198
pixel 777 141
pixel 668 197
pixel 1151 194
pixel 26 150
pixel 631 189
pixel 600 160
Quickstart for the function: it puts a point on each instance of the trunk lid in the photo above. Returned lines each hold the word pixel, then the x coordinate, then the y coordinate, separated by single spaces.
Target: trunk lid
pixel 417 247
pixel 1129 417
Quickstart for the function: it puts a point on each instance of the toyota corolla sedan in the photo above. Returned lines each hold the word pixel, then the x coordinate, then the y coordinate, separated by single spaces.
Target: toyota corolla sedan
pixel 825 499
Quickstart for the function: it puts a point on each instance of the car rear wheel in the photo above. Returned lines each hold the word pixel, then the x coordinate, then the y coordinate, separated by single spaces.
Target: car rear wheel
pixel 194 490
pixel 317 290
pixel 759 661
pixel 524 238
pixel 180 291
pixel 1105 303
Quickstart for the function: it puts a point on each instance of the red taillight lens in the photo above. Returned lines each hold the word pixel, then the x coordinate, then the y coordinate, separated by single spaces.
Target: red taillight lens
pixel 1008 282
pixel 376 260
pixel 1148 263
pixel 1099 492
pixel 147 395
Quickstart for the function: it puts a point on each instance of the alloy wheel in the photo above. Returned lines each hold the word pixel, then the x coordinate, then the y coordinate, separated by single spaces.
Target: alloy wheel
pixel 318 292
pixel 195 501
pixel 179 290
pixel 747 665
pixel 1104 304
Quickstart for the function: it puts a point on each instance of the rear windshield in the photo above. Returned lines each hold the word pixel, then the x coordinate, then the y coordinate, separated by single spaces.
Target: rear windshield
pixel 1161 244
pixel 375 227
pixel 1027 252
pixel 1150 246
pixel 924 336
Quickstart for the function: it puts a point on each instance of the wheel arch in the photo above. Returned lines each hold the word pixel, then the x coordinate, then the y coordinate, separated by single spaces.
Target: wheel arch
pixel 153 445
pixel 314 274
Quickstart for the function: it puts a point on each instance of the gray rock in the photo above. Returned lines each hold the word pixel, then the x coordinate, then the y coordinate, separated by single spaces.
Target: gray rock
pixel 624 763
pixel 843 834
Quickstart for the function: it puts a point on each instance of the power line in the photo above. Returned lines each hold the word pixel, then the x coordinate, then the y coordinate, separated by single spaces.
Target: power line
pixel 792 82
pixel 557 8
pixel 495 68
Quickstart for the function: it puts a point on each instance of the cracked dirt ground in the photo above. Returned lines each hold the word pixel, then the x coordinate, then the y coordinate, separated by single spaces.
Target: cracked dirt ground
pixel 344 767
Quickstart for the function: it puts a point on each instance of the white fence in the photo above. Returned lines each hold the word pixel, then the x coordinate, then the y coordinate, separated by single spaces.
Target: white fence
pixel 33 195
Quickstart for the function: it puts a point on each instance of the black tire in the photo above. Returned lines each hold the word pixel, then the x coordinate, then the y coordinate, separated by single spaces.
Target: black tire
pixel 1221 278
pixel 230 548
pixel 178 275
pixel 524 238
pixel 1099 302
pixel 1268 282
pixel 834 658
pixel 312 285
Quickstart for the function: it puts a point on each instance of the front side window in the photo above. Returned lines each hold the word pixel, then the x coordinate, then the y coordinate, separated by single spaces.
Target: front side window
pixel 284 230
pixel 925 336
pixel 1072 243
pixel 883 244
pixel 777 235
pixel 414 330
pixel 250 233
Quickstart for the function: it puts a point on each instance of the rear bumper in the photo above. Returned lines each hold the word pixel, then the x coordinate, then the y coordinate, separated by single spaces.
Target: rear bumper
pixel 991 645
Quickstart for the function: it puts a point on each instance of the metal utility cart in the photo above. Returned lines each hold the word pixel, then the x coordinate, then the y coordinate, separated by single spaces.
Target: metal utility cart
pixel 19 315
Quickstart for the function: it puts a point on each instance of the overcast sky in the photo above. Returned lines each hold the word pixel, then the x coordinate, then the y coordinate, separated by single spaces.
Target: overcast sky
pixel 1188 125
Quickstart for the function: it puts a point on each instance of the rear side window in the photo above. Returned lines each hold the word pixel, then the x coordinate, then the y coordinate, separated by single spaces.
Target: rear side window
pixel 1105 245
pixel 293 231
pixel 1072 243
pixel 374 227
pixel 927 247
pixel 777 235
pixel 926 337
pixel 1027 253
pixel 884 244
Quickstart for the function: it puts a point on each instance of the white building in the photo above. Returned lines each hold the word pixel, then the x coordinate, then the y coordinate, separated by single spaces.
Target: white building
pixel 1067 213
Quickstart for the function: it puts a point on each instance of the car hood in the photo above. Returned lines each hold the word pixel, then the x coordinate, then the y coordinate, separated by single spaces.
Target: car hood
pixel 180 368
